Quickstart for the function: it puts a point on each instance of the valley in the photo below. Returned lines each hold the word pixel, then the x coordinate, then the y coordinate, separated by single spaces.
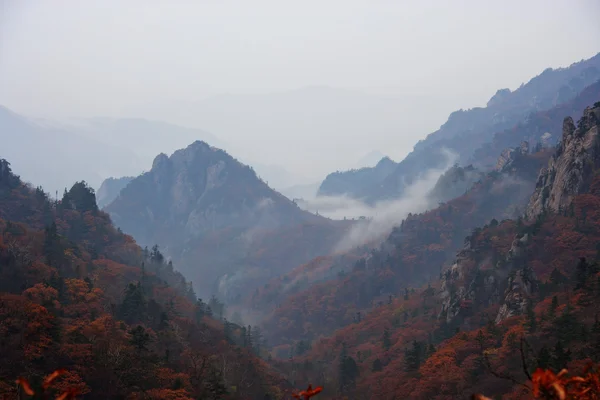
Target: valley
pixel 199 250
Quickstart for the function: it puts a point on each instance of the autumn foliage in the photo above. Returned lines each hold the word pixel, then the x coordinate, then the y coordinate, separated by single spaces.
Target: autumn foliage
pixel 79 297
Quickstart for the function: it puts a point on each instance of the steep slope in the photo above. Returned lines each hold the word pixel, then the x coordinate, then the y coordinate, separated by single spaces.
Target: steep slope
pixel 412 254
pixel 355 183
pixel 569 171
pixel 110 189
pixel 467 130
pixel 522 294
pixel 218 221
pixel 540 129
pixel 78 294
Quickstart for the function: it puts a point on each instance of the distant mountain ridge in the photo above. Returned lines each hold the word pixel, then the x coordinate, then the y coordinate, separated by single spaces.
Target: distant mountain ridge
pixel 110 189
pixel 356 182
pixel 466 131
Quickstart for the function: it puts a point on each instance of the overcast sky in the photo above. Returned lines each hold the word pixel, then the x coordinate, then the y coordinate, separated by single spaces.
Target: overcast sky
pixel 110 57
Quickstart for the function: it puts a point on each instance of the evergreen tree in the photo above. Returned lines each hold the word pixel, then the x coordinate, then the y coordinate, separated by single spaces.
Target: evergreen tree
pixel 133 308
pixel 553 307
pixel 531 319
pixel 581 273
pixel 249 338
pixel 348 371
pixel 414 356
pixel 199 310
pixel 377 366
pixel 560 357
pixel 387 340
pixel 566 325
pixel 139 338
pixel 544 358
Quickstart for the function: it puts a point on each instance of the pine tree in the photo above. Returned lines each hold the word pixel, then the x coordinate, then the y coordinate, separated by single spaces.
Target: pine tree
pixel 348 371
pixel 531 319
pixel 139 338
pixel 377 366
pixel 387 340
pixel 544 358
pixel 560 357
pixel 413 357
pixel 553 307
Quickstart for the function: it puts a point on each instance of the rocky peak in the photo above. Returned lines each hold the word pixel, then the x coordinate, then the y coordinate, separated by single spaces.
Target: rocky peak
pixel 471 280
pixel 159 161
pixel 500 96
pixel 508 156
pixel 571 167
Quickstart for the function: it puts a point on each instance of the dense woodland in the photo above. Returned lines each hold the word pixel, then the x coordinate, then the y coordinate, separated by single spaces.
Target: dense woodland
pixel 76 293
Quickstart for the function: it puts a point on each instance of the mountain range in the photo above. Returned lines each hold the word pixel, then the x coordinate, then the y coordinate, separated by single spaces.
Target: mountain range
pixel 467 131
pixel 479 279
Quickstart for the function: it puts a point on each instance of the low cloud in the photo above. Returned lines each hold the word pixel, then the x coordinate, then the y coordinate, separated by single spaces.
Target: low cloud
pixel 379 219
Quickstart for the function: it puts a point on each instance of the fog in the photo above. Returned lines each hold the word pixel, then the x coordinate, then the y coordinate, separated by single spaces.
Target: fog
pixel 309 87
pixel 379 219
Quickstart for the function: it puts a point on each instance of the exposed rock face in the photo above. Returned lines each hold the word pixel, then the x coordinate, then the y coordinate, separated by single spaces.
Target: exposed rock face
pixel 516 295
pixel 569 169
pixel 509 283
pixel 508 156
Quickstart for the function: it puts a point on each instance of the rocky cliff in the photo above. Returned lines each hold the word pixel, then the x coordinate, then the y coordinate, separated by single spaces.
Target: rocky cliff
pixel 489 275
pixel 568 173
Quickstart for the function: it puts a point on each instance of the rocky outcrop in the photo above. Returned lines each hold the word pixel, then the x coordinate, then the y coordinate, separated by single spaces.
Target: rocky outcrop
pixel 471 281
pixel 508 156
pixel 571 167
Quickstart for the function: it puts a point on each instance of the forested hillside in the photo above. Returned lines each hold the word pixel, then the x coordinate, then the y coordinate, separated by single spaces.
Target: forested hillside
pixel 78 294
pixel 521 294
pixel 414 253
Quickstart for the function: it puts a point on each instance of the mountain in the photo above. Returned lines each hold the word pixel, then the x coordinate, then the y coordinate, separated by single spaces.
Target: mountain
pixel 411 255
pixel 370 159
pixel 277 176
pixel 79 297
pixel 458 180
pixel 225 228
pixel 46 155
pixel 110 189
pixel 571 168
pixel 307 191
pixel 357 182
pixel 466 131
pixel 540 129
pixel 517 304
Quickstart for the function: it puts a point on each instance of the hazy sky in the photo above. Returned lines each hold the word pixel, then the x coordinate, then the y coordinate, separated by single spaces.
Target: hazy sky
pixel 83 58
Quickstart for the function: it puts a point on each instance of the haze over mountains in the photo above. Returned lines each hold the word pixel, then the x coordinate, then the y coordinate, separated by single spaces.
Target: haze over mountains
pixel 374 200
